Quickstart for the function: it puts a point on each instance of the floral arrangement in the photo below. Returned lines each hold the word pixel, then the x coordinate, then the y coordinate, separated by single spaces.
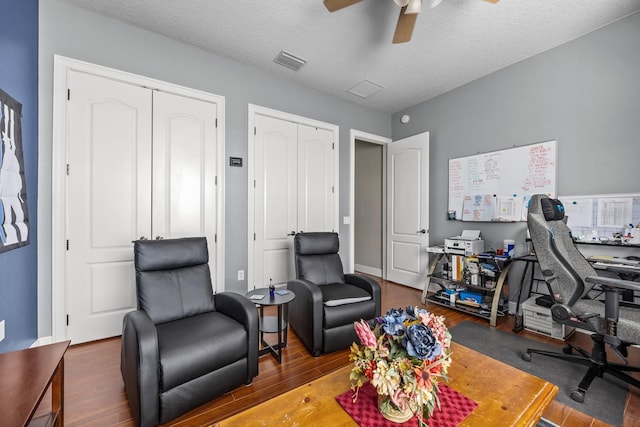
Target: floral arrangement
pixel 404 357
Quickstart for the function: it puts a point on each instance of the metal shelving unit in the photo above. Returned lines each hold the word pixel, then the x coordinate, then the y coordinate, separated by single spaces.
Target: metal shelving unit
pixel 489 313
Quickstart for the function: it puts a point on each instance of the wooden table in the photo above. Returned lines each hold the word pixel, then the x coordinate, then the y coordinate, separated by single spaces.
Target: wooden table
pixel 25 376
pixel 505 395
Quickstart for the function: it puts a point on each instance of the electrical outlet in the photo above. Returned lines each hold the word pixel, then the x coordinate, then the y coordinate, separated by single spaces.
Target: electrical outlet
pixel 240 274
pixel 1 330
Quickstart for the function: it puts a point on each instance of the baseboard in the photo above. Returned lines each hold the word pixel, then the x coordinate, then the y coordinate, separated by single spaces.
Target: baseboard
pixel 42 341
pixel 368 270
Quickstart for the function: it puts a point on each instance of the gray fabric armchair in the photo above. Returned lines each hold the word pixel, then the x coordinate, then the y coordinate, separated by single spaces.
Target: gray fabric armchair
pixel 184 346
pixel 571 281
pixel 328 301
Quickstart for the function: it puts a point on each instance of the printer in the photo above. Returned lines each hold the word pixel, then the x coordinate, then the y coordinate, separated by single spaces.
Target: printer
pixel 468 243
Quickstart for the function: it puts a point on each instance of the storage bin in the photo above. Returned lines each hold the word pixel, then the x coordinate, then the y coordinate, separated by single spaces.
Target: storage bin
pixel 471 296
pixel 538 319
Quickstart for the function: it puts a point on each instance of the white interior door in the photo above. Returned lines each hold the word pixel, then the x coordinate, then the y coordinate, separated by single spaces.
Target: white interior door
pixel 408 209
pixel 316 189
pixel 109 202
pixel 184 169
pixel 275 200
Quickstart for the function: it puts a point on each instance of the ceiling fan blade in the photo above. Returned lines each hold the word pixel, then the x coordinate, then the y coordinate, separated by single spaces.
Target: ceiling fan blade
pixel 333 5
pixel 404 27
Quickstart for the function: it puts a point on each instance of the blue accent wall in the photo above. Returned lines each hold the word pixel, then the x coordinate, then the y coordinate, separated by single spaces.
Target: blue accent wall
pixel 19 78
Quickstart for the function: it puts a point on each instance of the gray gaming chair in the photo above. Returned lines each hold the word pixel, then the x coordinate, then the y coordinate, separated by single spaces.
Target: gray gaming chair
pixel 571 280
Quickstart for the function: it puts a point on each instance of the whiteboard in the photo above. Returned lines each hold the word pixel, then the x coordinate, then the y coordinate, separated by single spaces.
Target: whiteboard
pixel 508 177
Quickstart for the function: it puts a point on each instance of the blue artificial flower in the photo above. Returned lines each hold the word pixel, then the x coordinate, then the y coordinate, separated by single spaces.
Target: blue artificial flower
pixel 393 322
pixel 413 312
pixel 420 342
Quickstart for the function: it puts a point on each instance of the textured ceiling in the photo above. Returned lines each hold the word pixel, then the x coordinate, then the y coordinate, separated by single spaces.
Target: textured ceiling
pixel 453 44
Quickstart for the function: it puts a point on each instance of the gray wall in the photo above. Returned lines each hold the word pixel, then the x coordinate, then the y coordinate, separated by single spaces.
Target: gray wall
pixel 75 33
pixel 585 94
pixel 368 205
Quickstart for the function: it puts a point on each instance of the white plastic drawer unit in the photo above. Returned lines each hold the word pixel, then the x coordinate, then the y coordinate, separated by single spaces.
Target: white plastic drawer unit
pixel 538 319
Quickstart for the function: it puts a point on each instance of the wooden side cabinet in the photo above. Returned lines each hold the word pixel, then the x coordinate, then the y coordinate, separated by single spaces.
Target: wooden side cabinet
pixel 25 376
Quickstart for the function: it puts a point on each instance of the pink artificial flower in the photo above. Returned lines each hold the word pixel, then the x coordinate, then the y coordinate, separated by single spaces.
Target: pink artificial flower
pixel 367 338
pixel 400 399
pixel 437 326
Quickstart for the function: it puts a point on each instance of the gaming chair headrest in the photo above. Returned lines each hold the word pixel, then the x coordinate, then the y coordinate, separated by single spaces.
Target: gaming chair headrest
pixel 552 209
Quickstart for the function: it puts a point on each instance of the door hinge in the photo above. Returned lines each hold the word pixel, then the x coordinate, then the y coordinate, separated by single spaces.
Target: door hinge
pixel 216 181
pixel 333 189
pixel 216 122
pixel 68 94
pixel 254 183
pixel 255 132
pixel 67 320
pixel 333 145
pixel 254 236
pixel 67 244
pixel 67 169
pixel 215 238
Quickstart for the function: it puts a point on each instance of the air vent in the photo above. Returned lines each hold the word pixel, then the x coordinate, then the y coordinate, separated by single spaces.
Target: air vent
pixel 290 61
pixel 365 89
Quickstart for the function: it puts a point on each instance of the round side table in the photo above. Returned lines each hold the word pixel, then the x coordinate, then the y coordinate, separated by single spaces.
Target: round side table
pixel 273 324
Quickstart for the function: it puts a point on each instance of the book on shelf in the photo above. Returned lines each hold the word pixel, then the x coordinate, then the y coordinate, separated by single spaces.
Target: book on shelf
pixel 457 267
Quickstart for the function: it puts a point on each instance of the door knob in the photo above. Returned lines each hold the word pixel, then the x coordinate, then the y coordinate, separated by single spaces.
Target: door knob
pixel 423 231
pixel 293 233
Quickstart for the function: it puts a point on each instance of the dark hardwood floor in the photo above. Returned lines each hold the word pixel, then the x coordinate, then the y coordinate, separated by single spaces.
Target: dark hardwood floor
pixel 94 392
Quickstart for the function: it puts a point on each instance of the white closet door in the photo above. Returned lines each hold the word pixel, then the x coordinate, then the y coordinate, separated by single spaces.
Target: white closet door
pixel 275 200
pixel 109 202
pixel 316 192
pixel 184 169
pixel 408 209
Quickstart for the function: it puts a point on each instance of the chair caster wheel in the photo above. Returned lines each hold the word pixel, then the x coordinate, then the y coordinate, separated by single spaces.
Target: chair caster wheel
pixel 526 356
pixel 578 396
pixel 567 349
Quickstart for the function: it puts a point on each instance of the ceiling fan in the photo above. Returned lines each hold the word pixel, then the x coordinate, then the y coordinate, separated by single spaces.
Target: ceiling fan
pixel 406 20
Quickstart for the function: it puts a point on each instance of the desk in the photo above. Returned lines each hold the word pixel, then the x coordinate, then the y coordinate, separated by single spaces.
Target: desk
pixel 530 261
pixel 624 269
pixel 512 398
pixel 271 324
pixel 25 376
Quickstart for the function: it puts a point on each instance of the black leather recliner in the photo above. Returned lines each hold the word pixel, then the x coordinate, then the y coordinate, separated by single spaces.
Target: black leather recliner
pixel 184 346
pixel 328 301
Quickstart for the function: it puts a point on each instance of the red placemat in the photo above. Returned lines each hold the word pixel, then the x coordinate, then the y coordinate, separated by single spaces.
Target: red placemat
pixel 454 408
